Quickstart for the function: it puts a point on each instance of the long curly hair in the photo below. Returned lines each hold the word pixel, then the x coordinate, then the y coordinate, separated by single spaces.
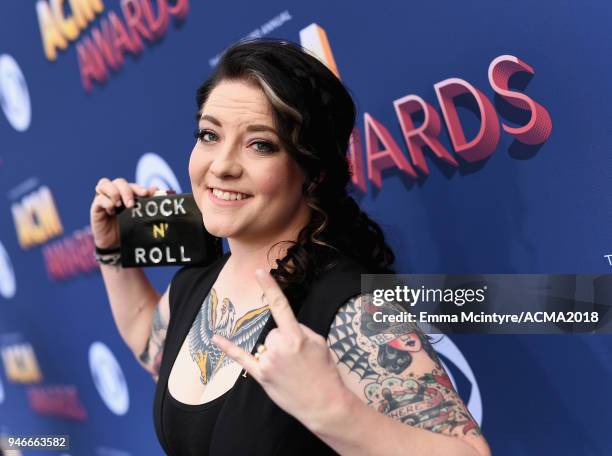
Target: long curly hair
pixel 314 115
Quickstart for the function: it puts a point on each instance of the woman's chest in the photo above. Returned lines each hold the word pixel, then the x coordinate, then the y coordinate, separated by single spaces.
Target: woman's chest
pixel 201 371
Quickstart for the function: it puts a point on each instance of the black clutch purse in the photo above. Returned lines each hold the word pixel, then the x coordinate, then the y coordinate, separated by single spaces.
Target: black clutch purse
pixel 165 230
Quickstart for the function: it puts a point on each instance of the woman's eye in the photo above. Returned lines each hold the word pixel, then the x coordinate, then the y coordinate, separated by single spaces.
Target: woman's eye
pixel 264 146
pixel 205 136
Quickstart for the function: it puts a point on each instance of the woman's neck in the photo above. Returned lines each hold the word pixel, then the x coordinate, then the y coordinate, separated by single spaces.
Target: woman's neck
pixel 247 257
pixel 250 254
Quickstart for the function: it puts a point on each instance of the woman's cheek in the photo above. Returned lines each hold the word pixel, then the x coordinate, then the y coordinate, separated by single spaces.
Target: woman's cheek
pixel 197 170
pixel 272 183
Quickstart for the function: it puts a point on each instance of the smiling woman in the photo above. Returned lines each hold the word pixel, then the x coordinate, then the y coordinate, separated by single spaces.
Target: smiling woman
pixel 273 349
pixel 244 181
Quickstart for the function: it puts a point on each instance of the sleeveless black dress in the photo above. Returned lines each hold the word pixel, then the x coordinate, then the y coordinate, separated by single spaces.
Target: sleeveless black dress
pixel 244 420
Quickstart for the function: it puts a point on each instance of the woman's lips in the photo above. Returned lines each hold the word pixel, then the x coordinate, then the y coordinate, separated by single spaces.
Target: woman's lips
pixel 222 202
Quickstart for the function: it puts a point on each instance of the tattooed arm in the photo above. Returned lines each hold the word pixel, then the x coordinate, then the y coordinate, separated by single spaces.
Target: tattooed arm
pixel 133 301
pixel 150 357
pixel 140 314
pixel 393 368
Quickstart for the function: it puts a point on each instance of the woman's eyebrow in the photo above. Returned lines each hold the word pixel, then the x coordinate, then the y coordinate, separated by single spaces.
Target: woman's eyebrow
pixel 259 127
pixel 253 127
pixel 211 119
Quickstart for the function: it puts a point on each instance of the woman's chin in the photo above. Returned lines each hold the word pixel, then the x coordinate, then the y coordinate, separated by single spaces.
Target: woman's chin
pixel 218 230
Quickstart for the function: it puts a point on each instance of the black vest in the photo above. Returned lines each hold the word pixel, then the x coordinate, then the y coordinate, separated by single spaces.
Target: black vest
pixel 250 423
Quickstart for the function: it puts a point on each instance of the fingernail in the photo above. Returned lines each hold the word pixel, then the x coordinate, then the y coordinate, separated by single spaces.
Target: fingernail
pixel 130 203
pixel 118 203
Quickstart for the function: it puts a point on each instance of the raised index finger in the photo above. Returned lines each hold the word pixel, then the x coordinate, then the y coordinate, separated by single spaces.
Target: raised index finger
pixel 279 306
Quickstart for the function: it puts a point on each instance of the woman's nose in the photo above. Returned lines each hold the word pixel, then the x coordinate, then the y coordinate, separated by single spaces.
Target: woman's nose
pixel 226 163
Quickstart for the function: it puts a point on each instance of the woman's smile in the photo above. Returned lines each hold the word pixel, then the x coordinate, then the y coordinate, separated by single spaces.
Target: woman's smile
pixel 227 198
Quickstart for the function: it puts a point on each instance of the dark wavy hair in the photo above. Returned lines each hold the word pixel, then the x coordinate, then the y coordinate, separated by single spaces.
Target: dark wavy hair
pixel 314 116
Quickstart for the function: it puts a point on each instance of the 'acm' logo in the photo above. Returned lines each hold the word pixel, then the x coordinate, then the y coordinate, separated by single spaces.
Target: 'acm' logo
pixel 36 218
pixel 20 363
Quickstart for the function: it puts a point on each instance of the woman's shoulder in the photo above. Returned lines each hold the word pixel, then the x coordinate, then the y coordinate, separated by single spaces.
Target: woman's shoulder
pixel 342 264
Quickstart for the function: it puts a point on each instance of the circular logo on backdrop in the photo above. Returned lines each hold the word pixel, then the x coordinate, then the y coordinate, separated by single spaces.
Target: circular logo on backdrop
pixel 108 378
pixel 153 170
pixel 8 286
pixel 14 95
pixel 448 349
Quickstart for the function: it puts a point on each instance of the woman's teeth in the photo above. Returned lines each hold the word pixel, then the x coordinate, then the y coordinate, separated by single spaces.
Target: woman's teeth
pixel 229 196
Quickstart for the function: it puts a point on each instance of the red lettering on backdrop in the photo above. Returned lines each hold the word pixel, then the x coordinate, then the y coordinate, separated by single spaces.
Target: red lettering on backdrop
pixel 388 157
pixel 70 256
pixel 539 127
pixel 133 17
pixel 103 40
pixel 180 9
pixel 91 63
pixel 425 135
pixel 355 156
pixel 158 25
pixel 486 140
pixel 123 41
pixel 140 22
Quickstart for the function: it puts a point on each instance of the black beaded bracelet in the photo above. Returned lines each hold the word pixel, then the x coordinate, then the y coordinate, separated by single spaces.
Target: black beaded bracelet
pixel 110 256
pixel 110 251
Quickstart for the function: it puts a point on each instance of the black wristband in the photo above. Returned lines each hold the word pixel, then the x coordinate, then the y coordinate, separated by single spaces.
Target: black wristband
pixel 110 251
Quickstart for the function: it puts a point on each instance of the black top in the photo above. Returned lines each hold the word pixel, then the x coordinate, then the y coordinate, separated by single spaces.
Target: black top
pixel 244 420
pixel 189 428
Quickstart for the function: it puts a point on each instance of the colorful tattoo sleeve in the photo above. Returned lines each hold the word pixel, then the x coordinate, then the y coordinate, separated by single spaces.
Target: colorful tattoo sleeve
pixel 399 372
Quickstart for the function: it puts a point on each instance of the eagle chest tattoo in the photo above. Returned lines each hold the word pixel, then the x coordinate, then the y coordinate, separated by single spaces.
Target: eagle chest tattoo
pixel 381 353
pixel 217 317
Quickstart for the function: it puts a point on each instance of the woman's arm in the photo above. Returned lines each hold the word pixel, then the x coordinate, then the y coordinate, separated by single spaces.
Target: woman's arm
pixel 401 400
pixel 140 313
pixel 350 427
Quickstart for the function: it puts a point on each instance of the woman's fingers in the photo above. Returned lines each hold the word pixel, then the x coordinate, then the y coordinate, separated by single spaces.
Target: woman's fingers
pixel 143 191
pixel 126 192
pixel 106 203
pixel 139 190
pixel 119 191
pixel 242 357
pixel 279 306
pixel 105 187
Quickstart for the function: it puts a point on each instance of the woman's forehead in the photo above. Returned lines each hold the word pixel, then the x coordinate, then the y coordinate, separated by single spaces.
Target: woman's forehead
pixel 237 101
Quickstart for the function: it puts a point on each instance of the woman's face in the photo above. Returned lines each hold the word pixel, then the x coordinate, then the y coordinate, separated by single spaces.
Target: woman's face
pixel 244 182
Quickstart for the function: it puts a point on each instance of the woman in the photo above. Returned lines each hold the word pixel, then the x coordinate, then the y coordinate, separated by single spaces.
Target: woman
pixel 288 361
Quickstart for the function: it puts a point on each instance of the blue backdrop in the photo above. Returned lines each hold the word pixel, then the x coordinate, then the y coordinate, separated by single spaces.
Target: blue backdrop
pixel 540 208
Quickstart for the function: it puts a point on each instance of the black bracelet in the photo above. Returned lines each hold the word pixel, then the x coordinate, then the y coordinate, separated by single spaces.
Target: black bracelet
pixel 110 251
pixel 112 259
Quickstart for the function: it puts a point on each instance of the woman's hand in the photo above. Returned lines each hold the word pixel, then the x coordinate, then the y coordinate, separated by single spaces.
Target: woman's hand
pixel 109 196
pixel 296 370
